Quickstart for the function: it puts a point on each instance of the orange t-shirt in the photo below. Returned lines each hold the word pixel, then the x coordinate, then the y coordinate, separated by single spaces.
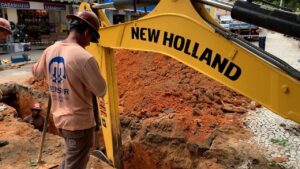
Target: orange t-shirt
pixel 73 77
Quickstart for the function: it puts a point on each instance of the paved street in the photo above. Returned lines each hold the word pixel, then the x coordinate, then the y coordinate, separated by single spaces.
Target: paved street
pixel 285 48
pixel 20 74
pixel 34 54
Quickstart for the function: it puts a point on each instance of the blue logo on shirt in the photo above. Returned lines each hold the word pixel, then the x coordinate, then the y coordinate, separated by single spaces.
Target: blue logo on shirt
pixel 57 70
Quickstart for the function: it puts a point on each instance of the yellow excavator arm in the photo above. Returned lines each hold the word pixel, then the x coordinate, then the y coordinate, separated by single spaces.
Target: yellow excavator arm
pixel 185 31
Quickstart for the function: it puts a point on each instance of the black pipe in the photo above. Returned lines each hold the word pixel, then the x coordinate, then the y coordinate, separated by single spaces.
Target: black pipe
pixel 277 20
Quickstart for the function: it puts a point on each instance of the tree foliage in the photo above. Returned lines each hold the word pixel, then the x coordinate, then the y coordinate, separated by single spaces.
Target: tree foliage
pixel 294 5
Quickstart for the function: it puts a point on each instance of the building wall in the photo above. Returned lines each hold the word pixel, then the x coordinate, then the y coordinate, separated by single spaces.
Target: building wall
pixel 12 15
pixel 36 5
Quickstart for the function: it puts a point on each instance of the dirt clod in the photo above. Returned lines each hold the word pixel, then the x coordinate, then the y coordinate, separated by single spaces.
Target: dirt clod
pixel 279 159
pixel 196 112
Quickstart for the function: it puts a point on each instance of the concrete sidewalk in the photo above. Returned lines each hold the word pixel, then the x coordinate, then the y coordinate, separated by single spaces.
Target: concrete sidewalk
pixel 19 75
pixel 34 54
pixel 285 48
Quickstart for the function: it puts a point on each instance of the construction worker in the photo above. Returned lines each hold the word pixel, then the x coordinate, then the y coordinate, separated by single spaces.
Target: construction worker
pixel 35 118
pixel 73 77
pixel 5 30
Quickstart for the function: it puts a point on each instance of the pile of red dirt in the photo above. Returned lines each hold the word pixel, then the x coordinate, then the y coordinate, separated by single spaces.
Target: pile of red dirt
pixel 150 84
pixel 175 117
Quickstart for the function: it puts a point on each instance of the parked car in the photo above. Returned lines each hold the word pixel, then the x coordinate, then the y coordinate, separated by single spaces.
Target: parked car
pixel 242 29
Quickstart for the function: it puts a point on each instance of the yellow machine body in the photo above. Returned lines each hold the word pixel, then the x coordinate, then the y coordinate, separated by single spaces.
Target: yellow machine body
pixel 178 28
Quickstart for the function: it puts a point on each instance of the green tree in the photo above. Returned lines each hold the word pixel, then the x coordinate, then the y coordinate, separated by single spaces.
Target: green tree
pixel 290 4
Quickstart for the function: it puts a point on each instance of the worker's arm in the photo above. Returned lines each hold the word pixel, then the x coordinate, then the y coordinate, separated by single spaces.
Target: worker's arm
pixel 39 68
pixel 93 79
pixel 258 30
pixel 27 119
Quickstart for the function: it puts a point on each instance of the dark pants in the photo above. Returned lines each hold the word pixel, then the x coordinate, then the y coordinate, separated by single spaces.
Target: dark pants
pixel 262 42
pixel 77 144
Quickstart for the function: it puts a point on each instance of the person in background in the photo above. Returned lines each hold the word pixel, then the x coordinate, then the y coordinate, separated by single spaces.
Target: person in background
pixel 5 31
pixel 262 35
pixel 73 76
pixel 35 118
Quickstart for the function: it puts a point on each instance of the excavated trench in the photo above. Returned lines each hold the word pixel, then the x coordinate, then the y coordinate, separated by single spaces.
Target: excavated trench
pixel 161 141
pixel 22 97
pixel 171 116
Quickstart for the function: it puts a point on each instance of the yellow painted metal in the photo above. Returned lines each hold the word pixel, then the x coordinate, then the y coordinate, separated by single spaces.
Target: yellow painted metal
pixel 177 29
pixel 110 120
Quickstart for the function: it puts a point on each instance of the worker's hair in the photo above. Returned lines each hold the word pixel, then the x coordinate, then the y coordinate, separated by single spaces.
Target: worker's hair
pixel 78 25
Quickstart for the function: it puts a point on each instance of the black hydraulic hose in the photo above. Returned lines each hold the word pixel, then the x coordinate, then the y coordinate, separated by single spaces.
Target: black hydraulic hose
pixel 273 19
pixel 277 20
pixel 259 52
